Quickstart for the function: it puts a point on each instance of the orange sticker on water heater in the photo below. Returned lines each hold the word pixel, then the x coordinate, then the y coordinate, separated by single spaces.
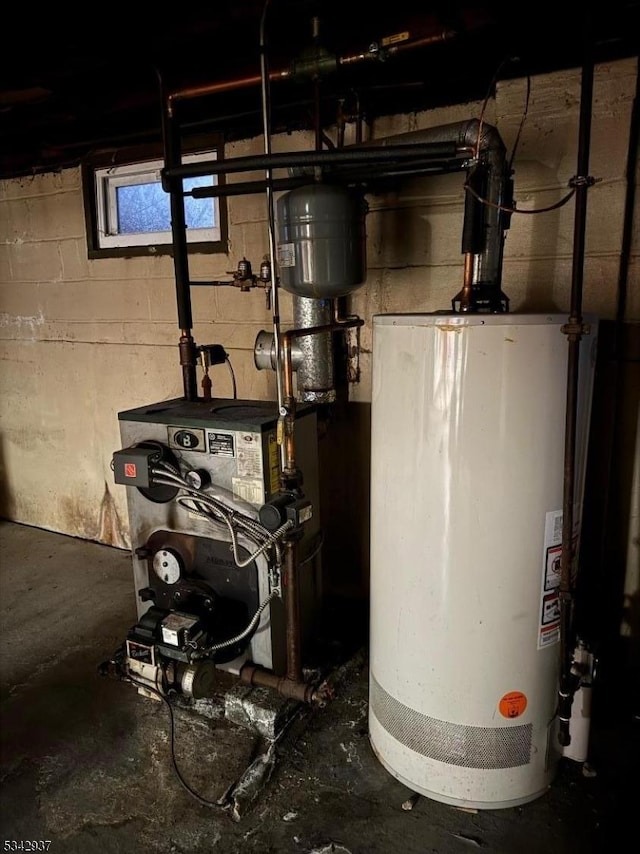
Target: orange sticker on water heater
pixel 513 704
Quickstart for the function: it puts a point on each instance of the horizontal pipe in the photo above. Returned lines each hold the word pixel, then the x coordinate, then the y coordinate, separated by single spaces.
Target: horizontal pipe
pixel 395 49
pixel 222 86
pixel 251 674
pixel 346 174
pixel 336 326
pixel 240 188
pixel 233 85
pixel 291 160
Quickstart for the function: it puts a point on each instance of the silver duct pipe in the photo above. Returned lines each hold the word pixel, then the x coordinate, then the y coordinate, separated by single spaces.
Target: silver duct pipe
pixel 316 380
pixel 311 357
pixel 265 354
pixel 490 151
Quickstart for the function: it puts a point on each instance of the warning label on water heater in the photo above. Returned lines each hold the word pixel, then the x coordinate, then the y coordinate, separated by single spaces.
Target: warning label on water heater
pixel 549 613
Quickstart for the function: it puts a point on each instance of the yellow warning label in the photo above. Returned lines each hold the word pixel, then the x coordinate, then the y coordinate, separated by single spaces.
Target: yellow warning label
pixel 394 39
pixel 513 704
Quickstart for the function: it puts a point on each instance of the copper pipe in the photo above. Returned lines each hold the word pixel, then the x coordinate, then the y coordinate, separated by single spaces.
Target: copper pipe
pixel 292 608
pixel 206 387
pixel 222 86
pixel 251 674
pixel 284 73
pixel 392 50
pixel 426 41
pixel 466 294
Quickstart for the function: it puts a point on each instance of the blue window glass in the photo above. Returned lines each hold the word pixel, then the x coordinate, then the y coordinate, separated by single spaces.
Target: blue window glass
pixel 145 207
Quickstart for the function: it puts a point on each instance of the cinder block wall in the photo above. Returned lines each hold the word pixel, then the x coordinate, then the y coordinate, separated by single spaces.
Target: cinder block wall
pixel 81 339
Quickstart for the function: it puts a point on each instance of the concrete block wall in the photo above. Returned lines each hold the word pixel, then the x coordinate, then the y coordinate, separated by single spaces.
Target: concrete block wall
pixel 82 339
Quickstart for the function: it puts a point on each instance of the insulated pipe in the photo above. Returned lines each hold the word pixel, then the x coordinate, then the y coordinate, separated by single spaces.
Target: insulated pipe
pixel 574 330
pixel 418 150
pixel 289 472
pixel 490 150
pixel 315 373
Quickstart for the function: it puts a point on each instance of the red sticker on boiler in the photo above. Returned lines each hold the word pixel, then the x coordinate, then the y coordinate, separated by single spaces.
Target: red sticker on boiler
pixel 513 704
pixel 130 470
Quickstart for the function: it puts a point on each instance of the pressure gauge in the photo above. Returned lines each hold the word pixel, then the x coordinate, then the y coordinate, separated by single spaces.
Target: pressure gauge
pixel 167 565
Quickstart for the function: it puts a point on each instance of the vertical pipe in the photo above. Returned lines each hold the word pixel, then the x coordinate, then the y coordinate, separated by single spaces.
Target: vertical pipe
pixel 275 302
pixel 316 380
pixel 574 331
pixel 629 207
pixel 289 417
pixel 317 114
pixel 466 294
pixel 172 158
pixel 292 607
pixel 359 120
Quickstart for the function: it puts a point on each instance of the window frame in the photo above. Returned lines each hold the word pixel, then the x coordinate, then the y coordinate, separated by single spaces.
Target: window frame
pixel 132 161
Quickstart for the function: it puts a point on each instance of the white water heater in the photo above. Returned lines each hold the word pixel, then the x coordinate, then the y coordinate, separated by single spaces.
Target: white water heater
pixel 468 419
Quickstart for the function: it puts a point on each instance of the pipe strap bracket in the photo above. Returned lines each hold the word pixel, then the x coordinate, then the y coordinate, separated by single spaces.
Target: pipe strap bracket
pixel 583 181
pixel 575 329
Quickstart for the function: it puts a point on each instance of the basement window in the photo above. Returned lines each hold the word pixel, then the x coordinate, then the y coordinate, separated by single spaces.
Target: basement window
pixel 129 213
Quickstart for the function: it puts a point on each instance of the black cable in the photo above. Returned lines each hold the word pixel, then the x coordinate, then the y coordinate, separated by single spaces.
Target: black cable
pixel 316 551
pixel 233 378
pixel 555 206
pixel 183 782
pixel 522 121
pixel 490 89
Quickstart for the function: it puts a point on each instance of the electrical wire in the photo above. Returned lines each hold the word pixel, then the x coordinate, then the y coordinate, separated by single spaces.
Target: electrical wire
pixel 207 506
pixel 233 378
pixel 201 800
pixel 266 545
pixel 316 551
pixel 522 121
pixel 490 89
pixel 504 208
pixel 250 628
pixel 563 201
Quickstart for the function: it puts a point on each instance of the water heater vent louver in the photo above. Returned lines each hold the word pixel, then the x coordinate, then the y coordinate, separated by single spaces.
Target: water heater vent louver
pixel 456 744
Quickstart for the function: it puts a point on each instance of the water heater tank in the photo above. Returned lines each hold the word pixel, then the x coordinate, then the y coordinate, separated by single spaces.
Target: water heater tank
pixel 468 417
pixel 321 241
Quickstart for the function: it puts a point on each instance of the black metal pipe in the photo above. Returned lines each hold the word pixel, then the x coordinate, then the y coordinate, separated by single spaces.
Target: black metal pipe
pixel 473 229
pixel 347 174
pixel 574 330
pixel 291 160
pixel 244 188
pixel 629 207
pixel 172 158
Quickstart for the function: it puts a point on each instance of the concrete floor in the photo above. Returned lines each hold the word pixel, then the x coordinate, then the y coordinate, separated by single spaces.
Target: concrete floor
pixel 86 761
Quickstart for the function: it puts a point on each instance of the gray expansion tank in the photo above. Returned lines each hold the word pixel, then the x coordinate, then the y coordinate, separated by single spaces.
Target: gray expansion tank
pixel 321 241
